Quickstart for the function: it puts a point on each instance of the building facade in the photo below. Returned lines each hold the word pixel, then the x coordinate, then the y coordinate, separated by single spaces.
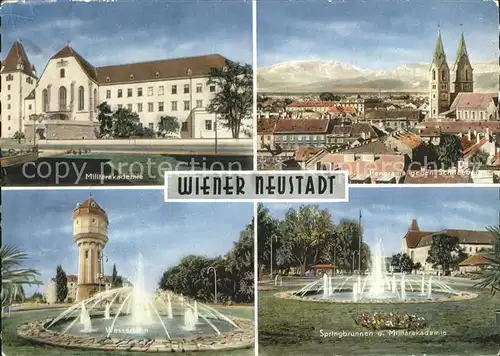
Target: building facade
pixel 417 243
pixel 70 89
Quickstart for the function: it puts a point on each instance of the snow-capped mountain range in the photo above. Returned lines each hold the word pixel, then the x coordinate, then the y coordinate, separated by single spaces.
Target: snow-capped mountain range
pixel 334 76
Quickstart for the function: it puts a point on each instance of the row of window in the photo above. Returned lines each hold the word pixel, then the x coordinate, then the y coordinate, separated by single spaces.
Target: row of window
pixel 299 138
pixel 10 78
pixel 472 116
pixel 161 106
pixel 63 100
pixel 161 91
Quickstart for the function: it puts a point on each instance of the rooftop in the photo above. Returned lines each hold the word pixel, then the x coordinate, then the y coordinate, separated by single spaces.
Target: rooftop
pixel 301 126
pixel 473 100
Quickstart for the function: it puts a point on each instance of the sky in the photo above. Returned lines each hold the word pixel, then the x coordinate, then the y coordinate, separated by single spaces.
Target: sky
pixel 130 31
pixel 387 212
pixel 40 222
pixel 378 34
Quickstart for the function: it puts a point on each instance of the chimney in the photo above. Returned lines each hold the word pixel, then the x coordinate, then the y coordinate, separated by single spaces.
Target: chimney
pixel 469 135
pixel 488 132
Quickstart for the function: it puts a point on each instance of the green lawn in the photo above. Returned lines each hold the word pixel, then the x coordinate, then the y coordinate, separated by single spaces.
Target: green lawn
pixel 291 327
pixel 13 345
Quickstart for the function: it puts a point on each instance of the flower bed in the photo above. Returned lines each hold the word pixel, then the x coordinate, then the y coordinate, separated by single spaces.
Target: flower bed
pixel 390 321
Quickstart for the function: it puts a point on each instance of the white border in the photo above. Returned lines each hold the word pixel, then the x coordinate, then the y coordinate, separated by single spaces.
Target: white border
pixel 263 199
pixel 256 278
pixel 255 91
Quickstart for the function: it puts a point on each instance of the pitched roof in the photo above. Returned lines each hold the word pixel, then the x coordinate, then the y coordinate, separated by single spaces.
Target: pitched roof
pixel 301 126
pixel 463 236
pixel 68 51
pixel 475 147
pixel 90 206
pixel 145 71
pixel 473 101
pixel 384 114
pixel 17 55
pixel 161 69
pixel 461 50
pixel 312 104
pixel 409 139
pixel 474 260
pixel 460 126
pixel 266 126
pixel 305 153
pixel 376 147
pixel 31 95
pixel 413 237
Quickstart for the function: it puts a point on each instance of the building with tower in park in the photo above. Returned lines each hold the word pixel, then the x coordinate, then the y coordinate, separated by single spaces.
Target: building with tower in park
pixel 451 90
pixel 90 233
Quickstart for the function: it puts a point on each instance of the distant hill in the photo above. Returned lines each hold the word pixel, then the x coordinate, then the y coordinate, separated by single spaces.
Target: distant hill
pixel 334 76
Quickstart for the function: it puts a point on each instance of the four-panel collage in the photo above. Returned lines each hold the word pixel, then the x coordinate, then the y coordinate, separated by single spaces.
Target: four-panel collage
pixel 250 177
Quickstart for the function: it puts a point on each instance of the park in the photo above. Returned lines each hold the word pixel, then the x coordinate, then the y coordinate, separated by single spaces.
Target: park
pixel 319 295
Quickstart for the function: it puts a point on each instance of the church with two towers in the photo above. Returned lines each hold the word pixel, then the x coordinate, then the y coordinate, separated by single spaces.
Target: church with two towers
pixel 445 83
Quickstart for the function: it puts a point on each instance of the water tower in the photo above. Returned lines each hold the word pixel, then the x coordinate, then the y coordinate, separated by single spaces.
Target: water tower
pixel 90 233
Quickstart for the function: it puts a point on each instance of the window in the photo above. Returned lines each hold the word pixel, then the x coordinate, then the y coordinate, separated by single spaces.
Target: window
pixel 173 106
pixel 160 106
pixel 8 128
pixel 108 79
pixel 208 125
pixel 465 115
pixel 86 254
pixel 174 89
pixel 29 107
pixel 150 91
pixel 481 115
pixel 120 106
pixel 62 98
pixel 8 118
pixel 199 104
pixel 160 90
pixel 45 100
pixel 120 93
pixel 433 74
pixel 473 115
pixel 81 98
pixel 184 126
pixel 132 77
pixel 129 107
pixel 150 107
pixel 157 74
pixel 10 77
pixel 466 75
pixel 8 106
pixel 129 92
pixel 212 88
pixel 151 126
pixel 186 105
pixel 199 88
pixel 139 91
pixel 139 107
pixel 96 100
pixel 8 87
pixel 443 75
pixel 186 88
pixel 62 73
pixel 108 94
pixel 458 115
pixel 8 96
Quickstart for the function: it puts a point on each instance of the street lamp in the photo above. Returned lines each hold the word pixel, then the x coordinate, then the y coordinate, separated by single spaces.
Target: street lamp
pixel 215 281
pixel 353 254
pixel 359 241
pixel 273 237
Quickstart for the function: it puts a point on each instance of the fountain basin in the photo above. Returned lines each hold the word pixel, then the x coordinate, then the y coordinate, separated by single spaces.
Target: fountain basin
pixel 345 296
pixel 241 337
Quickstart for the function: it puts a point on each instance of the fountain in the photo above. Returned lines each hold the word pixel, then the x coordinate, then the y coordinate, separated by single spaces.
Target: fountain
pixel 107 315
pixel 163 316
pixel 377 287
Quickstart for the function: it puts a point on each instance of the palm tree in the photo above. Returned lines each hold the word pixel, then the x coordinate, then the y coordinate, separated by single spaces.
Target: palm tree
pixel 13 277
pixel 490 275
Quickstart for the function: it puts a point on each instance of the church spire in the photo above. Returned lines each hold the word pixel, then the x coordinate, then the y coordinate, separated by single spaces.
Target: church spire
pixel 462 49
pixel 439 55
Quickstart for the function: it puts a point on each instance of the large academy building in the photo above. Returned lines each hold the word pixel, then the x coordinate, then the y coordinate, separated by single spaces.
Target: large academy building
pixel 68 91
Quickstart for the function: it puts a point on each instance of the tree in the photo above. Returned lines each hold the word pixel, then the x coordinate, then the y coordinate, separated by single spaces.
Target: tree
pixel 402 262
pixel 445 251
pixel 13 277
pixel 37 297
pixel 18 135
pixel 105 118
pixel 305 232
pixel 267 229
pixel 168 125
pixel 233 99
pixel 479 159
pixel 490 276
pixel 329 97
pixel 449 150
pixel 61 284
pixel 125 123
pixel 145 132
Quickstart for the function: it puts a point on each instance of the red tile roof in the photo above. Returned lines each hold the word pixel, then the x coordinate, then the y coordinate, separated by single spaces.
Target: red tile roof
pixel 462 126
pixel 474 260
pixel 413 237
pixel 473 100
pixel 88 68
pixel 463 236
pixel 312 104
pixel 301 126
pixel 475 147
pixel 89 206
pixel 409 139
pixel 303 154
pixel 266 126
pixel 17 55
pixel 341 109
